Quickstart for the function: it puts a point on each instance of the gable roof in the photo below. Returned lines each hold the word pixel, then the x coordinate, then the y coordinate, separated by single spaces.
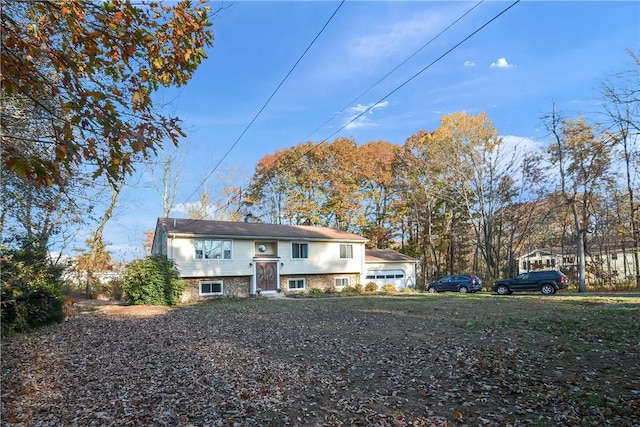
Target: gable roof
pixel 386 255
pixel 253 230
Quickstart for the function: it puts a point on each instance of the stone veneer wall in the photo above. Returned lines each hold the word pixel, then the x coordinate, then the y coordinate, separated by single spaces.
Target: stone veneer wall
pixel 320 281
pixel 238 287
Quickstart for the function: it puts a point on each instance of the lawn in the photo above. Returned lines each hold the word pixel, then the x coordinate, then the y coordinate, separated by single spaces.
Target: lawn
pixel 406 360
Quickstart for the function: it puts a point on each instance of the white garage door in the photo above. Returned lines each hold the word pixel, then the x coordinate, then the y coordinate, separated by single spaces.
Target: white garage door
pixel 382 277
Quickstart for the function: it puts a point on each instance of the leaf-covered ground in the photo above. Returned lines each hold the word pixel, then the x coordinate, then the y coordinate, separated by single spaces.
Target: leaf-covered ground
pixel 417 360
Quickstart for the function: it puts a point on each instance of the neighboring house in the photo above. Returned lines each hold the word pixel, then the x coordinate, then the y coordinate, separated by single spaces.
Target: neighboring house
pixel 610 264
pixel 224 258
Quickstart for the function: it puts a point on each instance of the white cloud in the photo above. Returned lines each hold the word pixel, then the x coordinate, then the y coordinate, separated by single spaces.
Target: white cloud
pixel 469 64
pixel 358 116
pixel 501 63
pixel 521 144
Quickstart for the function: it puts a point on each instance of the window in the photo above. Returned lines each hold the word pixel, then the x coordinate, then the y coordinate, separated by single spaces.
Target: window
pixel 210 288
pixel 213 249
pixel 299 250
pixel 346 251
pixel 341 282
pixel 296 284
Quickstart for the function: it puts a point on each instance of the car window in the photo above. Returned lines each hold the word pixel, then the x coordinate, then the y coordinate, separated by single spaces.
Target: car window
pixel 522 276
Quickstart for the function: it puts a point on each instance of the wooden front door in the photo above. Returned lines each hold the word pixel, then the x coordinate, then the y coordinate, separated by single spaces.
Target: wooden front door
pixel 266 276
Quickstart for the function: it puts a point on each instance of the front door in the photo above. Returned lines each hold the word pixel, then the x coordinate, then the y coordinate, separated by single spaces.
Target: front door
pixel 266 275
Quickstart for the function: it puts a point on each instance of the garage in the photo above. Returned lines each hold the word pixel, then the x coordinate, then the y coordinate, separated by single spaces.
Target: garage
pixel 382 277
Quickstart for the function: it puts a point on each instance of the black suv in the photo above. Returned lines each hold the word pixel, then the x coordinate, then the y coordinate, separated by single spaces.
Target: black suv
pixel 547 282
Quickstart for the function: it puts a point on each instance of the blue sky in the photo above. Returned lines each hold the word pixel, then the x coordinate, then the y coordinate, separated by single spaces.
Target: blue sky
pixel 536 54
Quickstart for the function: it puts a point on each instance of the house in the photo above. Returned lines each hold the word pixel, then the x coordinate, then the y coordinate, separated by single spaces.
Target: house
pixel 603 264
pixel 225 258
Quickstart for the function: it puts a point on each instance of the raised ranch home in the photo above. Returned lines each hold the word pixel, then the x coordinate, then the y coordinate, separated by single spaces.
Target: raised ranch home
pixel 225 258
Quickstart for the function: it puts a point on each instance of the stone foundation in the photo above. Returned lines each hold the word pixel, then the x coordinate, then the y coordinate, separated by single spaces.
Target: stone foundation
pixel 319 281
pixel 235 287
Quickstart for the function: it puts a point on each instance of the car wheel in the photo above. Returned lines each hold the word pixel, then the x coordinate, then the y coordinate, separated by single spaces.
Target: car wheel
pixel 548 289
pixel 432 290
pixel 502 290
pixel 463 290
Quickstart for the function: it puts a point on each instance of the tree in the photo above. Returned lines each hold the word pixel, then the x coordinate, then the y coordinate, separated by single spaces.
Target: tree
pixel 376 164
pixel 96 65
pixel 203 208
pixel 622 113
pixel 167 184
pixel 97 258
pixel 581 159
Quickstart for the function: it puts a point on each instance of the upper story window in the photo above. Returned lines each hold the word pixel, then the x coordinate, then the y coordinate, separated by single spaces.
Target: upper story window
pixel 212 249
pixel 346 251
pixel 299 250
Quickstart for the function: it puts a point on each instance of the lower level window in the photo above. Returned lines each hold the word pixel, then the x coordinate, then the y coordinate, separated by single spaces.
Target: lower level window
pixel 341 282
pixel 296 284
pixel 210 288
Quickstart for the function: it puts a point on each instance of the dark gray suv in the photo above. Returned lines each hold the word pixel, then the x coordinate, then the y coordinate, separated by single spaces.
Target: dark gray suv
pixel 547 282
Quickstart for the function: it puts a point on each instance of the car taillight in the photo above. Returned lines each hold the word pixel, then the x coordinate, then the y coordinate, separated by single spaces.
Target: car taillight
pixel 562 279
pixel 473 281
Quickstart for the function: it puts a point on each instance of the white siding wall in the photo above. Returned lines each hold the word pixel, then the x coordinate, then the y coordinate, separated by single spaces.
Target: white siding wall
pixel 324 258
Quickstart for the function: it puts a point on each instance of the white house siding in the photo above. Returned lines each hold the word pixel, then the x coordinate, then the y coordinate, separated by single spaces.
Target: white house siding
pixel 182 251
pixel 324 258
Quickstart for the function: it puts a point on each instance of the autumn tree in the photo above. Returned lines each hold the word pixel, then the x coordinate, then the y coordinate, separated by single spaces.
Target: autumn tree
pixel 202 209
pixel 97 65
pixel 376 164
pixel 581 157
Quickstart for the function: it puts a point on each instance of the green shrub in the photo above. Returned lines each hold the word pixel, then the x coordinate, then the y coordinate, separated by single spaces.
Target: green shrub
pixel 153 280
pixel 389 288
pixel 316 291
pixel 31 293
pixel 371 287
pixel 348 289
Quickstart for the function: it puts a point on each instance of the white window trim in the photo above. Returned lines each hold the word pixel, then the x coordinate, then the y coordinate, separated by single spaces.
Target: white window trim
pixel 297 279
pixel 345 245
pixel 222 258
pixel 300 258
pixel 335 280
pixel 212 282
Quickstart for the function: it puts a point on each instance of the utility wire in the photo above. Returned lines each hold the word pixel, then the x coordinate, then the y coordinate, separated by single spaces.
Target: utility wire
pixel 419 72
pixel 398 87
pixel 266 103
pixel 393 70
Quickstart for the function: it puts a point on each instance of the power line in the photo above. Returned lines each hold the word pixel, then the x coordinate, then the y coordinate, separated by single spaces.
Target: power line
pixel 266 103
pixel 398 87
pixel 394 69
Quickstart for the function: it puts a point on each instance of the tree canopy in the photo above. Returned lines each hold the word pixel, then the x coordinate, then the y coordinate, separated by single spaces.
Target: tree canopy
pixel 89 70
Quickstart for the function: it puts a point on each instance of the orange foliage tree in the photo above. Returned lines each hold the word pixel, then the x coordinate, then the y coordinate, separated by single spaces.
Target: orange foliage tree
pixel 90 69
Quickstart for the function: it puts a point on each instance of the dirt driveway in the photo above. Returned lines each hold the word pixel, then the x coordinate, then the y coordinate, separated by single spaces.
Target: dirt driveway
pixel 428 360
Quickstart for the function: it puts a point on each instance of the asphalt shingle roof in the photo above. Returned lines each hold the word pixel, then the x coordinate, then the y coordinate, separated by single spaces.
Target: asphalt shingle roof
pixel 251 230
pixel 388 255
